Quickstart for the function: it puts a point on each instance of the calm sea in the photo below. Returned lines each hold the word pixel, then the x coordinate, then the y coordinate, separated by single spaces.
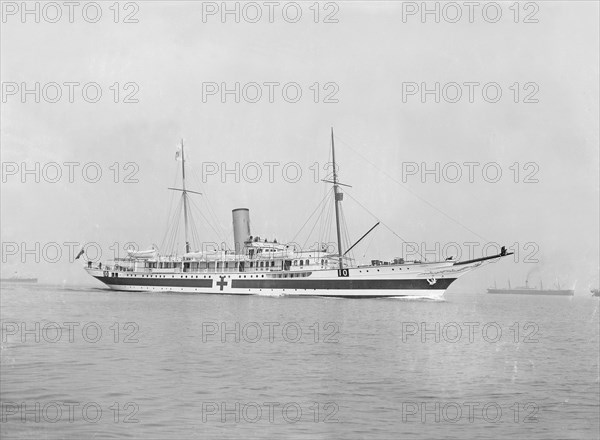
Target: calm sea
pixel 92 363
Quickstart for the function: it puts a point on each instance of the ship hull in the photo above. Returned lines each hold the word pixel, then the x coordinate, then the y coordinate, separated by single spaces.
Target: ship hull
pixel 423 280
pixel 532 292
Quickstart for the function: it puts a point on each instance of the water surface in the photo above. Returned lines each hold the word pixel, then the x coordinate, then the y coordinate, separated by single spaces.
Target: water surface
pixel 470 366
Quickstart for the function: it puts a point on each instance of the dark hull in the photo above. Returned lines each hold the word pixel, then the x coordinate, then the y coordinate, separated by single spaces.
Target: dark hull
pixel 532 292
pixel 329 286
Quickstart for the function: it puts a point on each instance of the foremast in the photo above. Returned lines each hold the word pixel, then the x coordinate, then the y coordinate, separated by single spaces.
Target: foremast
pixel 180 155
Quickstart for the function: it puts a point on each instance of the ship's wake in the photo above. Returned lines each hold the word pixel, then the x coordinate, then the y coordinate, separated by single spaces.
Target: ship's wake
pixel 271 294
pixel 416 298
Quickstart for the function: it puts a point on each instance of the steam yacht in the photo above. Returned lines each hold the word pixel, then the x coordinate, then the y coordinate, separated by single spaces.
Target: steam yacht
pixel 259 266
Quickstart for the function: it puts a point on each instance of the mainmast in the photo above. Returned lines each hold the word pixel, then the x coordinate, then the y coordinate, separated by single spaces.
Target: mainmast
pixel 185 207
pixel 338 198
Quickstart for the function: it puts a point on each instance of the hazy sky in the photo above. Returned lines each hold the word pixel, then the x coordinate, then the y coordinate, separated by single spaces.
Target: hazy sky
pixel 369 56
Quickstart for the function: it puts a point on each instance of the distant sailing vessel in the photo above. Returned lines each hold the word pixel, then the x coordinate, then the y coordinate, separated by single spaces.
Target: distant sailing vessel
pixel 258 266
pixel 526 290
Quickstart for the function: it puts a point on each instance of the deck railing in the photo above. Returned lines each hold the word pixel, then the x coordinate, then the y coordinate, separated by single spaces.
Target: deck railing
pixel 178 270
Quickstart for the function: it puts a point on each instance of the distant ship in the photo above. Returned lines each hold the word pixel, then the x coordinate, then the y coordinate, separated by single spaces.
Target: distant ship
pixel 526 290
pixel 259 266
pixel 595 292
pixel 19 279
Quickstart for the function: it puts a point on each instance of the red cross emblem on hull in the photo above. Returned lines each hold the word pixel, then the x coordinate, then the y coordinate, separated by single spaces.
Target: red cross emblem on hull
pixel 221 283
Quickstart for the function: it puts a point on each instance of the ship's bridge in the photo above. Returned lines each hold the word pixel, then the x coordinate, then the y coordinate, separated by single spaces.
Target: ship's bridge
pixel 255 247
pixel 258 243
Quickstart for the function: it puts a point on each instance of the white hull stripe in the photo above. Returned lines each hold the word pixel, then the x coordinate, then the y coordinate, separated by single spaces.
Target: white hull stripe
pixel 339 293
